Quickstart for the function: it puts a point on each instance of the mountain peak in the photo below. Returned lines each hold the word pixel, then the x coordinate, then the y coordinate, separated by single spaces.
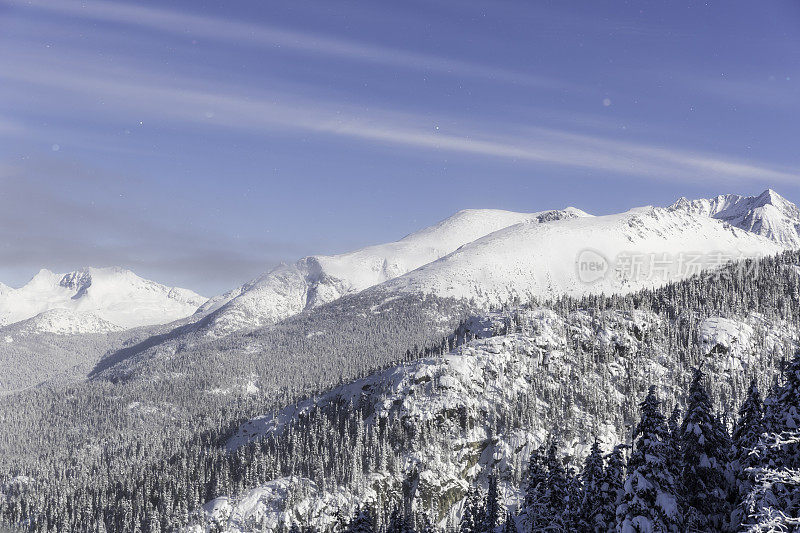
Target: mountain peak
pixel 43 277
pixel 80 280
pixel 770 197
pixel 114 294
pixel 769 214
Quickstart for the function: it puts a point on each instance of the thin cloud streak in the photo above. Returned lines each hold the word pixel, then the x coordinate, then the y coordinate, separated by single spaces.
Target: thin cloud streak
pixel 41 226
pixel 184 24
pixel 188 102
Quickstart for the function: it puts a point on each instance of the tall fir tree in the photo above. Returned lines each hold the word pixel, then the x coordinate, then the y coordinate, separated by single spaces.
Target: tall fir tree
pixel 650 500
pixel 534 505
pixel 555 491
pixel 705 448
pixel 746 434
pixel 396 523
pixel 611 488
pixel 773 502
pixel 492 506
pixel 510 523
pixel 472 515
pixel 361 523
pixel 572 517
pixel 592 478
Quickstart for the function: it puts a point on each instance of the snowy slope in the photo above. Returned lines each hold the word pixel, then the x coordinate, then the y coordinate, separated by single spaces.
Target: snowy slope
pixel 94 300
pixel 316 280
pixel 460 391
pixel 498 256
pixel 769 214
pixel 61 322
pixel 644 247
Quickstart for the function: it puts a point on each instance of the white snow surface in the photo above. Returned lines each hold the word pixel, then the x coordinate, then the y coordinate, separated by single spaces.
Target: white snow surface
pixel 768 214
pixel 316 280
pixel 724 335
pixel 496 256
pixel 63 322
pixel 94 300
pixel 541 261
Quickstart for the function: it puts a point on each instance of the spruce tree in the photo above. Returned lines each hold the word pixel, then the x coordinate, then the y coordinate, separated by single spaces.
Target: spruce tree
pixel 705 448
pixel 361 522
pixel 611 488
pixel 592 478
pixel 492 506
pixel 534 505
pixel 555 490
pixel 472 516
pixel 396 523
pixel 649 500
pixel 773 502
pixel 510 525
pixel 571 518
pixel 746 434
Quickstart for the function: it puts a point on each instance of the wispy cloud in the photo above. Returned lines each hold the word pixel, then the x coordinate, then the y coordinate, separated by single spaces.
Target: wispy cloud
pixel 197 26
pixel 130 93
pixel 44 223
pixel 770 92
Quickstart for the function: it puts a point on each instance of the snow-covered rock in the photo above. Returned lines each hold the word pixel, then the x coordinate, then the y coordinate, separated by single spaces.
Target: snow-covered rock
pixel 94 300
pixel 725 336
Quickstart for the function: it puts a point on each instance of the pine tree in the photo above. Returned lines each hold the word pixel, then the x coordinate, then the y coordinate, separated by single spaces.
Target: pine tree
pixel 705 448
pixel 492 506
pixel 361 522
pixel 674 423
pixel 612 488
pixel 749 426
pixel 650 501
pixel 396 523
pixel 510 525
pixel 472 516
pixel 773 502
pixel 571 518
pixel 555 491
pixel 592 478
pixel 534 506
pixel 746 433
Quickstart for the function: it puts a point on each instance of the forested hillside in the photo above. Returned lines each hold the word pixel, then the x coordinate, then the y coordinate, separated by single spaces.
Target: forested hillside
pixel 145 450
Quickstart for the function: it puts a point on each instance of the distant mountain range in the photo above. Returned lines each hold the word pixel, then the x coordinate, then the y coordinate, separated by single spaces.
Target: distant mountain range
pixel 498 256
pixel 93 300
pixel 489 256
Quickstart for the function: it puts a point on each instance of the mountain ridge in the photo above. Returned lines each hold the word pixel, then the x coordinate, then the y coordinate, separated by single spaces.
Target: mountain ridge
pixel 315 280
pixel 114 295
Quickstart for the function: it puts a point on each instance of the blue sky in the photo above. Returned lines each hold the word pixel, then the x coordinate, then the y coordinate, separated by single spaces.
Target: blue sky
pixel 199 142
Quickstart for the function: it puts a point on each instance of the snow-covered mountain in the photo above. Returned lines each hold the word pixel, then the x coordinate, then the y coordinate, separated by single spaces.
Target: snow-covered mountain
pixel 316 280
pixel 644 247
pixel 61 321
pixel 93 300
pixel 769 214
pixel 498 256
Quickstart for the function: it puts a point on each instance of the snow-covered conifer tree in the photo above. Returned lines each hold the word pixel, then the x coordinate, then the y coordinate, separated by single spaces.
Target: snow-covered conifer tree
pixel 746 433
pixel 611 488
pixel 650 502
pixel 533 505
pixel 705 447
pixel 592 478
